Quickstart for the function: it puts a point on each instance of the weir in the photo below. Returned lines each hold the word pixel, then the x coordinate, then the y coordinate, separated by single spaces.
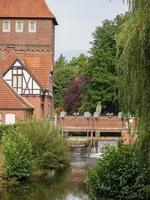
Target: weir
pixel 94 134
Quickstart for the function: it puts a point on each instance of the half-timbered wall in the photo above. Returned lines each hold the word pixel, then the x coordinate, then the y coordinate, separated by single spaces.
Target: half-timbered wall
pixel 21 81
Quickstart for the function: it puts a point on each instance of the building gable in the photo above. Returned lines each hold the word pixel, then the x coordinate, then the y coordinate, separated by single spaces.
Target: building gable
pixel 39 66
pixel 22 80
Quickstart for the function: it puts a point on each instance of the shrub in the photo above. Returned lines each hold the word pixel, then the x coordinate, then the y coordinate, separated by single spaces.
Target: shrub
pixel 18 154
pixel 49 149
pixel 5 128
pixel 117 176
pixel 147 191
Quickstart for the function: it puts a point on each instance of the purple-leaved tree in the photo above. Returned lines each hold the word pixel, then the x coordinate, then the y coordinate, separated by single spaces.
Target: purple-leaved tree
pixel 74 94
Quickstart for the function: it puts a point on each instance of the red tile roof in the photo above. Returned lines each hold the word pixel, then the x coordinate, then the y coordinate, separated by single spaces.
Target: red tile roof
pixel 25 9
pixel 9 99
pixel 40 65
pixel 6 60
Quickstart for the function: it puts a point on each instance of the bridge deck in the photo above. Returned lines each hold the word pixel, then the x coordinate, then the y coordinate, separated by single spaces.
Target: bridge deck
pixel 102 128
pixel 102 124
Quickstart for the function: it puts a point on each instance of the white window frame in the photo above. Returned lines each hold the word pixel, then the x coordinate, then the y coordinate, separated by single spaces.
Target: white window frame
pixel 6 30
pixel 10 118
pixel 29 27
pixel 17 29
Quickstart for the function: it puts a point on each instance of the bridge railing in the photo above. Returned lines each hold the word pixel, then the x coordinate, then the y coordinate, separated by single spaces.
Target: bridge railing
pixel 102 123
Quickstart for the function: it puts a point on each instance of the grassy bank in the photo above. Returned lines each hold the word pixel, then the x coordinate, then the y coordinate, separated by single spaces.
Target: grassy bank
pixel 31 147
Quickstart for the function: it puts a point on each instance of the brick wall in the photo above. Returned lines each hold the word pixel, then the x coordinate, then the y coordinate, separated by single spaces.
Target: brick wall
pixel 47 106
pixel 36 102
pixel 101 124
pixel 19 114
pixel 43 39
pixel 44 36
pixel 42 106
pixel 39 110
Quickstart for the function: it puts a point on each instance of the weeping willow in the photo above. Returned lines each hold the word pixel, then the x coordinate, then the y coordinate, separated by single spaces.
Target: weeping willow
pixel 133 53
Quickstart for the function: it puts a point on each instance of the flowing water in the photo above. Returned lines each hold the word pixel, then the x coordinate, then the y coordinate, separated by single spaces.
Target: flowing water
pixel 65 185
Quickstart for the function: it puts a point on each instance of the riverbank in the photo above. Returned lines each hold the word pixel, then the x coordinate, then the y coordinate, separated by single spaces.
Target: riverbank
pixel 35 174
pixel 66 184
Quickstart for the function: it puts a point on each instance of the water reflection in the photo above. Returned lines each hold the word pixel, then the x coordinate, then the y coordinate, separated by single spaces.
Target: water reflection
pixel 66 185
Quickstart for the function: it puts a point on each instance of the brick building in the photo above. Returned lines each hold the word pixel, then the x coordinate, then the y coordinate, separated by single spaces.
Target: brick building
pixel 27 34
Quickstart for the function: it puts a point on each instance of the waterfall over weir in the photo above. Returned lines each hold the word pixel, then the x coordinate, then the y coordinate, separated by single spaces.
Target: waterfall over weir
pixel 92 148
pixel 98 147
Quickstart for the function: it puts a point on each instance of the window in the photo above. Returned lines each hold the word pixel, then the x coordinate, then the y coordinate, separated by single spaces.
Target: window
pixel 21 81
pixel 1 119
pixel 10 118
pixel 17 82
pixel 32 26
pixel 19 26
pixel 6 26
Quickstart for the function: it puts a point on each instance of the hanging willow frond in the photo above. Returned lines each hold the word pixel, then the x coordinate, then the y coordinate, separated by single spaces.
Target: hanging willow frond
pixel 134 4
pixel 134 68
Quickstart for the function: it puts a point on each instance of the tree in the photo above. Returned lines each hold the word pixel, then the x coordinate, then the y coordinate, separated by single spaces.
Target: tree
pixel 61 61
pixel 102 85
pixel 81 62
pixel 74 94
pixel 62 77
pixel 64 73
pixel 133 50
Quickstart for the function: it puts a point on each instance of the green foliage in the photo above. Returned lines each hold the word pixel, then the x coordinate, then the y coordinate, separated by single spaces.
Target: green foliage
pixel 133 50
pixel 81 62
pixel 102 68
pixel 4 128
pixel 147 191
pixel 62 77
pixel 49 149
pixel 63 74
pixel 99 68
pixel 118 176
pixel 61 62
pixel 18 154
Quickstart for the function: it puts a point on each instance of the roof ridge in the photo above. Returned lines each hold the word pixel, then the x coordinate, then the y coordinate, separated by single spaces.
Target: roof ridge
pixel 26 9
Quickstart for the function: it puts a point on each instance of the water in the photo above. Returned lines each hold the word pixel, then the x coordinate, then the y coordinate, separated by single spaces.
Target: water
pixel 65 185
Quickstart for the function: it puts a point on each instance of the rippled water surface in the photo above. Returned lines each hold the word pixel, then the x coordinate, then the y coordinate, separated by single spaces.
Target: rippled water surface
pixel 65 185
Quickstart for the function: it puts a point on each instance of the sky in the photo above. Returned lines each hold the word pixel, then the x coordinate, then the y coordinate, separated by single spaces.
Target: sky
pixel 78 20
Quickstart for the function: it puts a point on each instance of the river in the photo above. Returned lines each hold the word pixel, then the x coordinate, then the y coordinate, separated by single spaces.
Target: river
pixel 67 184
